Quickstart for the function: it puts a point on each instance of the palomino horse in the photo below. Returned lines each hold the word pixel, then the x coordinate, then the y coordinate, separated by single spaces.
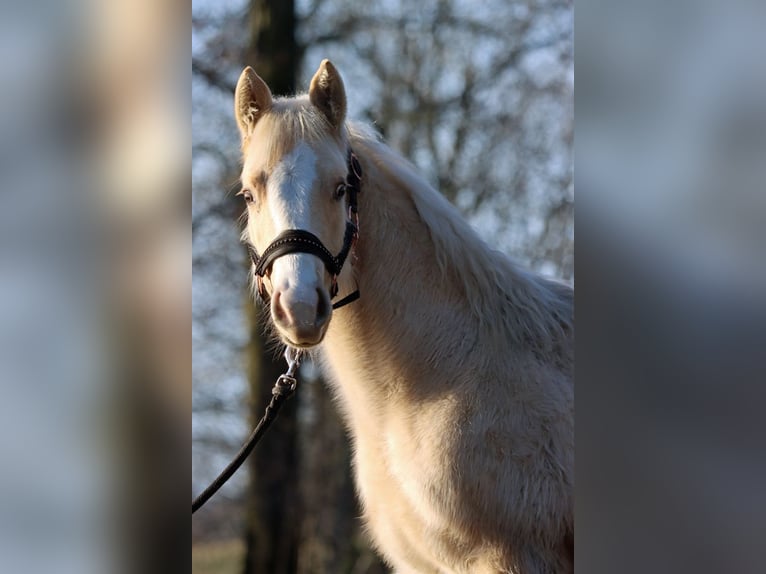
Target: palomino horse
pixel 453 370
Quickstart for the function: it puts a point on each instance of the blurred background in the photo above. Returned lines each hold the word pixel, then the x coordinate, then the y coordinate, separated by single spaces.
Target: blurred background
pixel 479 95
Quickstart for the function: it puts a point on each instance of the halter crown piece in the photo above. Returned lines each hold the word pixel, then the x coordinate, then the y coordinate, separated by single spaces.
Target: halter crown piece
pixel 301 241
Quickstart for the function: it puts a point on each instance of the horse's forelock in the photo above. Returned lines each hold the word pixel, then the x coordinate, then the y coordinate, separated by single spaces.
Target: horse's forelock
pixel 288 122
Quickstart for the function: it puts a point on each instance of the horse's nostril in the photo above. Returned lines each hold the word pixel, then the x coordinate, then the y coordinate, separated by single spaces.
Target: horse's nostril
pixel 279 312
pixel 323 307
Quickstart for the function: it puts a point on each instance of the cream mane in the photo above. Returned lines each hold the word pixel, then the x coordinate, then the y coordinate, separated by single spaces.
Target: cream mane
pixel 492 282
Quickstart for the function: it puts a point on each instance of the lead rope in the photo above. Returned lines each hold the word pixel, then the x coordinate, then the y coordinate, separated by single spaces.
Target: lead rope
pixel 283 389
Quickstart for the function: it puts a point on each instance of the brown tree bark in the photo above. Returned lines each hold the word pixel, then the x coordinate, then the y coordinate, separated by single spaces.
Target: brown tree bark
pixel 273 518
pixel 273 515
pixel 273 51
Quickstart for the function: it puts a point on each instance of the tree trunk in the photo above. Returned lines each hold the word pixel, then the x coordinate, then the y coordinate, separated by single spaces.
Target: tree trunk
pixel 273 51
pixel 273 514
pixel 273 503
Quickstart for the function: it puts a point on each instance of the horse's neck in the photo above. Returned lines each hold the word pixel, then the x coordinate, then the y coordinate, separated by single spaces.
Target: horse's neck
pixel 408 315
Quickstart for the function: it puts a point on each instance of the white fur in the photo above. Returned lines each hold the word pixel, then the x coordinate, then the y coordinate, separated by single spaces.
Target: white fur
pixel 290 202
pixel 453 372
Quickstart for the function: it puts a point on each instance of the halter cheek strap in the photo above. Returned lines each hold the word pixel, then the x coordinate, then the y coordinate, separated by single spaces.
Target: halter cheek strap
pixel 301 241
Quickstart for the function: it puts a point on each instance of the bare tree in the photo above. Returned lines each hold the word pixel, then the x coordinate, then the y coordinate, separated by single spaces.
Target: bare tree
pixel 273 500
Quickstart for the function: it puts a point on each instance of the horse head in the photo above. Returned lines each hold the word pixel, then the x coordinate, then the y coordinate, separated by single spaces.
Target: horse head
pixel 295 175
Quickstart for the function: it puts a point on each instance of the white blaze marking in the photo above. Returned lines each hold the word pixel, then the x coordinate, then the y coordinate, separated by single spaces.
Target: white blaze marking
pixel 289 200
pixel 289 189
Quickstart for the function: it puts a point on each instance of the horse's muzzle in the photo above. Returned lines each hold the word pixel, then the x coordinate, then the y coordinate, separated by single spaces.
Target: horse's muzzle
pixel 301 316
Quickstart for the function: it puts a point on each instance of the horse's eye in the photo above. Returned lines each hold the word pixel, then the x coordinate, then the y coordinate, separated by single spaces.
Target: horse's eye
pixel 247 194
pixel 340 190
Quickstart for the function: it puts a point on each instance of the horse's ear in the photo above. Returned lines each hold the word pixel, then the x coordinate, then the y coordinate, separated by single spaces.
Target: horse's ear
pixel 251 99
pixel 328 94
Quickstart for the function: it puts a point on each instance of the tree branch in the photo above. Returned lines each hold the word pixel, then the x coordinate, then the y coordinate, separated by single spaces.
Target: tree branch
pixel 212 76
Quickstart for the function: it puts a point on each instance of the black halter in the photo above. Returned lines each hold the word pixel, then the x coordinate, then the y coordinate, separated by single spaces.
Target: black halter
pixel 301 241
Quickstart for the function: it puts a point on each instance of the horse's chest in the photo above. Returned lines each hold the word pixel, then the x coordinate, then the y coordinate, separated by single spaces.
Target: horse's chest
pixel 403 488
pixel 405 473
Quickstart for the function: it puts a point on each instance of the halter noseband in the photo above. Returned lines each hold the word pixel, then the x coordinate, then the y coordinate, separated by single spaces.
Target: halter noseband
pixel 301 241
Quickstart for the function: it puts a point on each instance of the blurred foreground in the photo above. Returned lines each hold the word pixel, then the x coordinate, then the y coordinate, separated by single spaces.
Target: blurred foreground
pixel 95 296
pixel 671 298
